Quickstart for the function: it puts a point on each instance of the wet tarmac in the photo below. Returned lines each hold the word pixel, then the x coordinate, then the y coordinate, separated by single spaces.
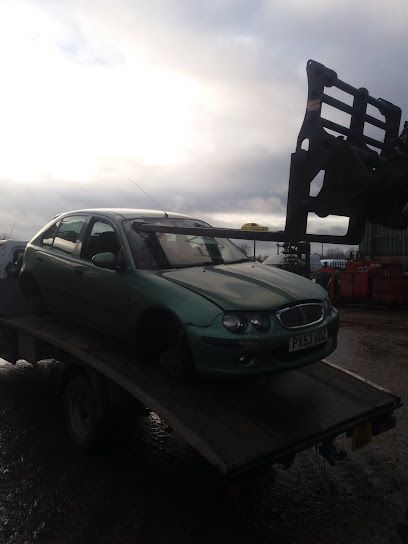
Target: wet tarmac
pixel 150 487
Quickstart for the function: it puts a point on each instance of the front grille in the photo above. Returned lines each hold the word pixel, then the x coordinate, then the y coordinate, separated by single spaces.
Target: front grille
pixel 301 315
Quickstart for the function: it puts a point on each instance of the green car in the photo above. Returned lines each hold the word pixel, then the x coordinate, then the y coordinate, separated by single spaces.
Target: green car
pixel 196 301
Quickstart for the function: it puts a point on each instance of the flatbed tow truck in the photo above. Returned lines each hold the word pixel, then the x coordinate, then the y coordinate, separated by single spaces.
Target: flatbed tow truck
pixel 236 426
pixel 239 426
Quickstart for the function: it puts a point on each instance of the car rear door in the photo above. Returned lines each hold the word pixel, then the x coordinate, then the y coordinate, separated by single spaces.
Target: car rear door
pixel 55 261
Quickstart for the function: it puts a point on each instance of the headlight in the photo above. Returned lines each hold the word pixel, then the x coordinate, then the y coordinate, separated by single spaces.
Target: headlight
pixel 235 323
pixel 260 321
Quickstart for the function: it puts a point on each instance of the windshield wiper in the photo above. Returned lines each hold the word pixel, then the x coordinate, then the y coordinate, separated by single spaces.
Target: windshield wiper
pixel 184 266
pixel 243 260
pixel 207 263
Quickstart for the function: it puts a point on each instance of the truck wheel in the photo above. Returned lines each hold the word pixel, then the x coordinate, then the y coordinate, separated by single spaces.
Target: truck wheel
pixel 81 413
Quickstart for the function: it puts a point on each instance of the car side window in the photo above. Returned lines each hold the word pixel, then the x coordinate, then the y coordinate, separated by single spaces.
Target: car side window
pixel 102 239
pixel 68 233
pixel 46 237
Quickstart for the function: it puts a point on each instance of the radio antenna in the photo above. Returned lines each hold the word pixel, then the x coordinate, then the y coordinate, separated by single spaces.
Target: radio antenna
pixel 149 196
pixel 12 228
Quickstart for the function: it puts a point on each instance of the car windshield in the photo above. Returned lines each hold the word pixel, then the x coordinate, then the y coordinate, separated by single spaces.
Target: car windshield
pixel 162 250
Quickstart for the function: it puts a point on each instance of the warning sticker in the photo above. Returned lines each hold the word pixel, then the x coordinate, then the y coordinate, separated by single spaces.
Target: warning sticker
pixel 313 105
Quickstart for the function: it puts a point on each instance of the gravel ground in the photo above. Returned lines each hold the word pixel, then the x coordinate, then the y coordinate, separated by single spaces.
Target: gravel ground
pixel 152 488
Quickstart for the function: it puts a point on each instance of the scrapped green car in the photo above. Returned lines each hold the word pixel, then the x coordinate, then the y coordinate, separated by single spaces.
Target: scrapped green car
pixel 196 301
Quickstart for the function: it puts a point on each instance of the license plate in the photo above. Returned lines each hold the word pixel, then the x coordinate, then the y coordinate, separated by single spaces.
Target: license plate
pixel 361 435
pixel 308 339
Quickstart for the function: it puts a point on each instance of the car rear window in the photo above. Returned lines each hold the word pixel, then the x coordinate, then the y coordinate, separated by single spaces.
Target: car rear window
pixel 46 236
pixel 68 233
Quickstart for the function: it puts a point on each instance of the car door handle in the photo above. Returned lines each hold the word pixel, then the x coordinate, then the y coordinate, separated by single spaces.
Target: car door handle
pixel 79 270
pixel 40 259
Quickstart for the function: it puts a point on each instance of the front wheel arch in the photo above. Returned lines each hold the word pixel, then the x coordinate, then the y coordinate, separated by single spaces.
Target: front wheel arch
pixel 159 327
pixel 164 334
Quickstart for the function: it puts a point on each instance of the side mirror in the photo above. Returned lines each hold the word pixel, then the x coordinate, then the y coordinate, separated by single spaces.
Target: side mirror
pixel 105 260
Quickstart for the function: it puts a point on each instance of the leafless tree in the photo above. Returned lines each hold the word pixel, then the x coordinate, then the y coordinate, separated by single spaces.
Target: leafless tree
pixel 334 253
pixel 244 247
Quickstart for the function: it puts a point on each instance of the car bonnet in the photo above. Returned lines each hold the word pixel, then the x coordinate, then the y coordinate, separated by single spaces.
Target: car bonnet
pixel 246 286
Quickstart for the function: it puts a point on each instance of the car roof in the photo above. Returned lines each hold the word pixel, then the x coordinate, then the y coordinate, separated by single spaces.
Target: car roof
pixel 126 213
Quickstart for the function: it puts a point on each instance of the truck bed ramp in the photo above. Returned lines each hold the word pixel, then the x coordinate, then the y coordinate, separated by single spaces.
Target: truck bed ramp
pixel 237 425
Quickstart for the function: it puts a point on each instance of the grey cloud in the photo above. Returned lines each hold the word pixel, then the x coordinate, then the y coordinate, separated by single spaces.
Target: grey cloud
pixel 252 185
pixel 256 51
pixel 258 179
pixel 228 185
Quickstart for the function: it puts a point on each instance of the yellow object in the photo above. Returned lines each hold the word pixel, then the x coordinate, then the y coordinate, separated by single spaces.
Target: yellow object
pixel 254 227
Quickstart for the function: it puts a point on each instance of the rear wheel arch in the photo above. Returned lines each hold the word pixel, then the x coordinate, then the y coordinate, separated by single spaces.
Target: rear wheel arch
pixel 28 285
pixel 31 290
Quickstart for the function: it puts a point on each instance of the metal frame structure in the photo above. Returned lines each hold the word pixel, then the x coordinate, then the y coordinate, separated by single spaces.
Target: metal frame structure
pixel 364 178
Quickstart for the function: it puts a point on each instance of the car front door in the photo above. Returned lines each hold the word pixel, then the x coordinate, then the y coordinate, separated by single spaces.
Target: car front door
pixel 103 294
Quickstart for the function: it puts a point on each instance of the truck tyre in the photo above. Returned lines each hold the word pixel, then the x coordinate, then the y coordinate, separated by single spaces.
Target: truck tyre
pixel 84 425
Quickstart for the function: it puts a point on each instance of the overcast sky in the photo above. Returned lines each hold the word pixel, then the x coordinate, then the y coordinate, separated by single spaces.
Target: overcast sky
pixel 200 102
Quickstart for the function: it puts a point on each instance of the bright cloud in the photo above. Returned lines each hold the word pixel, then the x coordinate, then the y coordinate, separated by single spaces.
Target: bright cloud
pixel 62 111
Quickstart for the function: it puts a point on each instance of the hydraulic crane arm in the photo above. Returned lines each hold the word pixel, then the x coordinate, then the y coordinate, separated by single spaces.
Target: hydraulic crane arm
pixel 365 178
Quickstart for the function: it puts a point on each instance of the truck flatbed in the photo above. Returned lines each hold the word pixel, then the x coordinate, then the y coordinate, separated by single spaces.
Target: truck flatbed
pixel 236 426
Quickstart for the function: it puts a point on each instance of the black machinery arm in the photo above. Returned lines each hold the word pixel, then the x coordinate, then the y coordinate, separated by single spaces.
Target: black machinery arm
pixel 364 178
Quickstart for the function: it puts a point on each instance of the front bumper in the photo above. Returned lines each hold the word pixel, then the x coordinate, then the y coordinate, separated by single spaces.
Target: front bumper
pixel 217 352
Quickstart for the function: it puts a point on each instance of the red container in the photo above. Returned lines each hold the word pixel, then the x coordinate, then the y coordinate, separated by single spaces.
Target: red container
pixel 362 285
pixel 346 285
pixel 355 281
